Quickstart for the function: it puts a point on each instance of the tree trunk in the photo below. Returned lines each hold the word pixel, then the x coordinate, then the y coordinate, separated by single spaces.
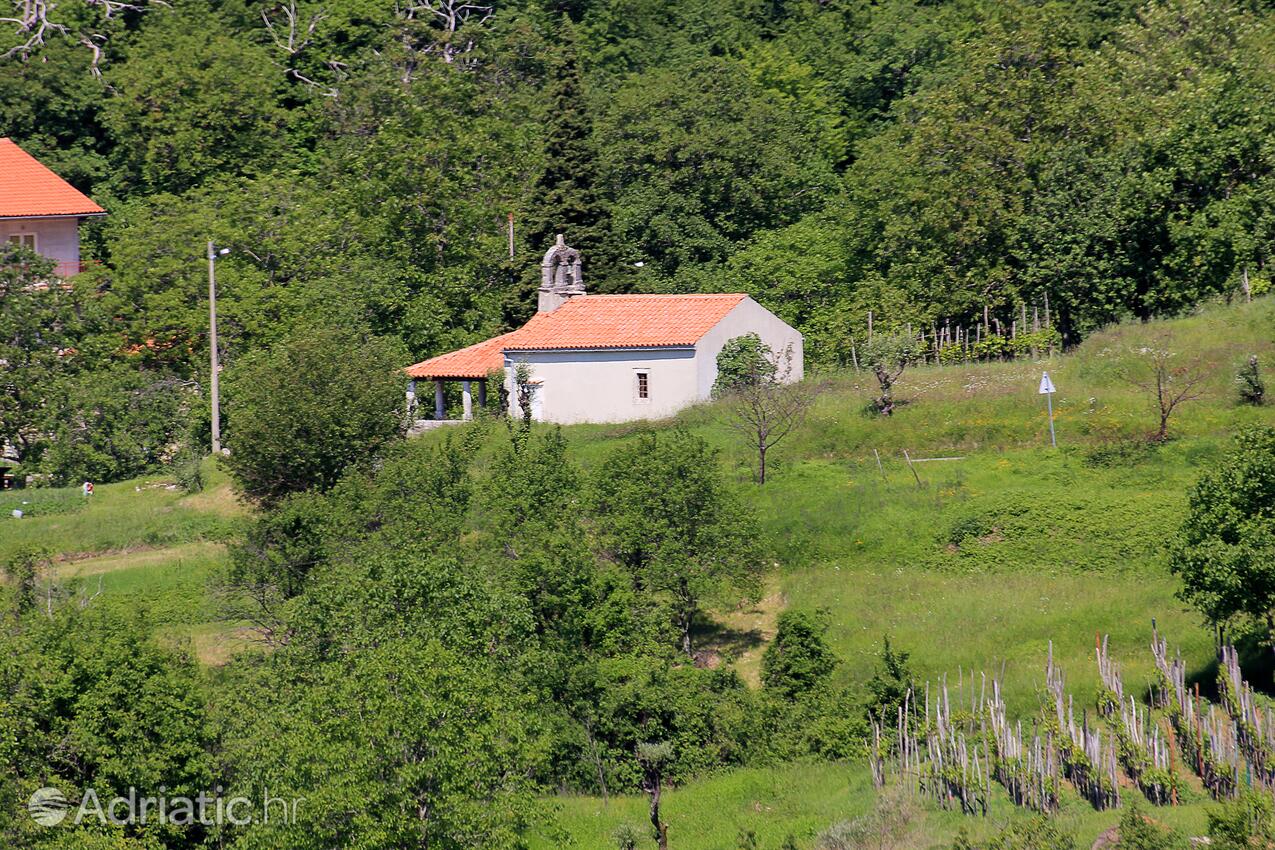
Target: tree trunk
pixel 761 463
pixel 686 619
pixel 661 829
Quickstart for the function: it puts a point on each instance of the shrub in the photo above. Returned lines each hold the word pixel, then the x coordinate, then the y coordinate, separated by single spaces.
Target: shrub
pixel 1242 824
pixel 1252 389
pixel 798 659
pixel 1222 552
pixel 743 360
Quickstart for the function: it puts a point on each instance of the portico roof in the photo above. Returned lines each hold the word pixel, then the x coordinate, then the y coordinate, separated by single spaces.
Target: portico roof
pixel 591 322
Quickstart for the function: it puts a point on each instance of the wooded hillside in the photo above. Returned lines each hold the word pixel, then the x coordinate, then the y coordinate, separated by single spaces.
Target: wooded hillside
pixel 923 160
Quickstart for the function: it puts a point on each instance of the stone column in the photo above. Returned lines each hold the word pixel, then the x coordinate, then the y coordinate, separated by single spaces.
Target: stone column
pixel 411 397
pixel 469 400
pixel 439 411
pixel 482 392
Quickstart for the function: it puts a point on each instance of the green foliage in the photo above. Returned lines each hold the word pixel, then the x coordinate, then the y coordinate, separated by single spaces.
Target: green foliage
pixel 667 517
pixel 1244 823
pixel 441 752
pixel 890 683
pixel 742 361
pixel 1037 833
pixel 1223 551
pixel 22 569
pixel 626 837
pixel 301 413
pixel 95 703
pixel 1139 832
pixel 116 423
pixel 798 660
pixel 1252 389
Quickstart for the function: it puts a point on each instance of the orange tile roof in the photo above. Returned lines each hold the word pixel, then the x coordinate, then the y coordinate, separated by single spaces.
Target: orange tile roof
pixel 591 321
pixel 27 188
pixel 472 362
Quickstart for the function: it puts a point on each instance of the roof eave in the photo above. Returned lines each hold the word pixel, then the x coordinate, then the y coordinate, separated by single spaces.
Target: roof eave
pixel 53 215
pixel 569 348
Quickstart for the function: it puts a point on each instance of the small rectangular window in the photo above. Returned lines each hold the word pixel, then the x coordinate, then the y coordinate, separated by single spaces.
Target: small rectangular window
pixel 26 240
pixel 643 385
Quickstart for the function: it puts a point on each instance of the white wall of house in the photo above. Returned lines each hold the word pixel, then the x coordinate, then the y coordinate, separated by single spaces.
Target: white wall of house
pixel 747 317
pixel 55 238
pixel 603 385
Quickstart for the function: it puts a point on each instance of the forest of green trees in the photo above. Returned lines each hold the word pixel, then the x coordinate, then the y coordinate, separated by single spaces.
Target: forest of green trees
pixel 925 161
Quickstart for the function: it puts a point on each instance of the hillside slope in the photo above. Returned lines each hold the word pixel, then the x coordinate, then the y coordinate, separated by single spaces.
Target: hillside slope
pixel 980 565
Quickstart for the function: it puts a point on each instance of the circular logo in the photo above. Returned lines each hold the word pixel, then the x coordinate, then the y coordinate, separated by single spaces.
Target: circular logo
pixel 48 806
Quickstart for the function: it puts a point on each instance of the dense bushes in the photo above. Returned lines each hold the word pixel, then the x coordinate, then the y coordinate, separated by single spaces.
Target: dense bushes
pixel 299 414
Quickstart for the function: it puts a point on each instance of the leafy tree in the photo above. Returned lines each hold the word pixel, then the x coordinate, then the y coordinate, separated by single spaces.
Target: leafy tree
pixel 192 101
pixel 116 422
pixel 566 193
pixel 433 743
pixel 743 361
pixel 887 355
pixel 94 702
pixel 38 331
pixel 685 155
pixel 1225 549
pixel 798 659
pixel 665 515
pixel 300 414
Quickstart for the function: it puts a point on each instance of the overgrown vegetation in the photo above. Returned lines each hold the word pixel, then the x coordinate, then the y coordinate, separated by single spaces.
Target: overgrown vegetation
pixel 367 171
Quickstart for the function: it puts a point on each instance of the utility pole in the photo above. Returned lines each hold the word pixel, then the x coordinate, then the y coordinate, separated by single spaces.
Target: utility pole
pixel 215 400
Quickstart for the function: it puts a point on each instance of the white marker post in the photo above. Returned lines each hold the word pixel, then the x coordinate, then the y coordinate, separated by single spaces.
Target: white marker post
pixel 1047 390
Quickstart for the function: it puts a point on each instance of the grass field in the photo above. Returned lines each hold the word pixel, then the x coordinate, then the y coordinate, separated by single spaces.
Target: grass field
pixel 978 567
pixel 975 568
pixel 143 544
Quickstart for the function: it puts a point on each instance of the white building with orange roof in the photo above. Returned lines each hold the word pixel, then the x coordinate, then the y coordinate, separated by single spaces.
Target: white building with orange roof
pixel 40 210
pixel 607 358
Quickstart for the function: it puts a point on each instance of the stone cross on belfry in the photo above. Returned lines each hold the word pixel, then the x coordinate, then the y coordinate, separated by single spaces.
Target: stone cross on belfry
pixel 561 276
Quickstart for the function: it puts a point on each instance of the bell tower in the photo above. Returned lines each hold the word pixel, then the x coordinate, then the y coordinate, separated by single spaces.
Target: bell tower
pixel 561 276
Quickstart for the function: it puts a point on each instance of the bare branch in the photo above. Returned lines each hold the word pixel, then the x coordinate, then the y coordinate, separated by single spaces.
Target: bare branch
pixel 767 406
pixel 1168 381
pixel 35 25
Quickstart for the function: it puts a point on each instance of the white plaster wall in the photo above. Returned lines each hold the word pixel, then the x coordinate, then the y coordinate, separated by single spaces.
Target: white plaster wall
pixel 56 238
pixel 747 317
pixel 601 386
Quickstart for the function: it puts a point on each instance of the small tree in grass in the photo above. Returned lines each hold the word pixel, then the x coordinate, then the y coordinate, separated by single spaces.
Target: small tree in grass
pixel 1225 550
pixel 887 355
pixel 1169 379
pixel 1252 388
pixel 765 405
pixel 653 756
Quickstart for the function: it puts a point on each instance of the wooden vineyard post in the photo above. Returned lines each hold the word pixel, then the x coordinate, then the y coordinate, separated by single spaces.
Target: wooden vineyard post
pixel 908 458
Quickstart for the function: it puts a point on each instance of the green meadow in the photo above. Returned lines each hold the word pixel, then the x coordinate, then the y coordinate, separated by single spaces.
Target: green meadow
pixel 971 564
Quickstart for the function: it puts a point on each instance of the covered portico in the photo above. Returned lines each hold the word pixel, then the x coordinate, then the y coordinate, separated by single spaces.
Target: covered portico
pixel 468 387
pixel 471 367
